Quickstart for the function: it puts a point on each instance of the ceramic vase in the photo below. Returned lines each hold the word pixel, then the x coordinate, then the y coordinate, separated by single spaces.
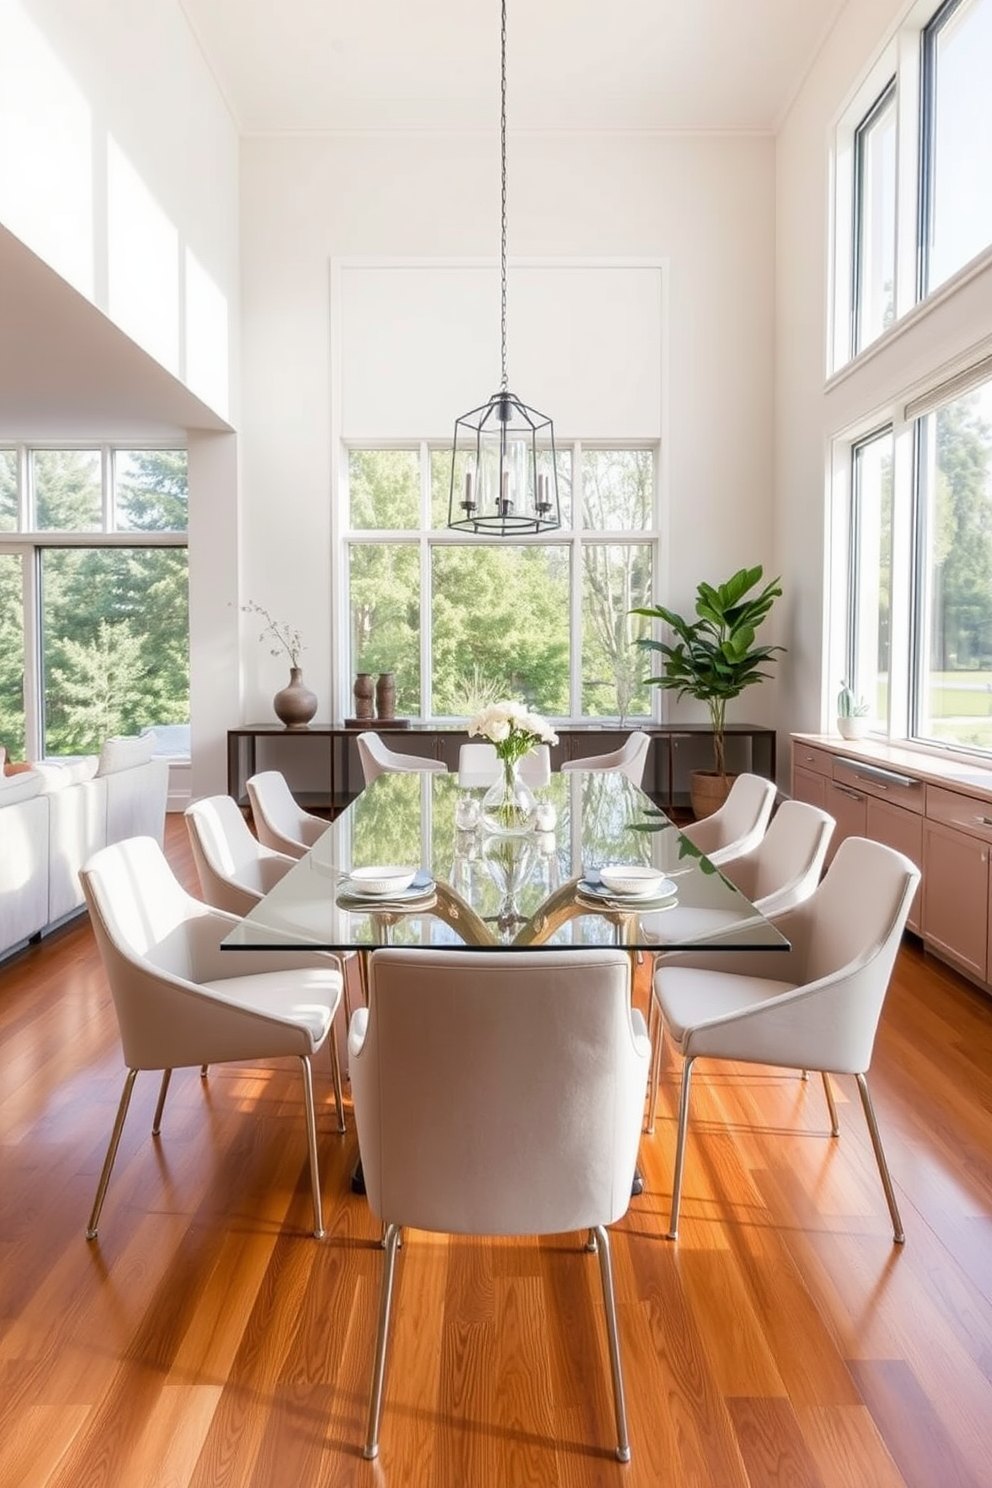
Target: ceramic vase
pixel 295 704
pixel 364 691
pixel 508 807
pixel 385 697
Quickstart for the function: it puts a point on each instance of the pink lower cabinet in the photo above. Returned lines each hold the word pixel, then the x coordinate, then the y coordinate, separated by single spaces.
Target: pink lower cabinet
pixel 956 897
pixel 903 830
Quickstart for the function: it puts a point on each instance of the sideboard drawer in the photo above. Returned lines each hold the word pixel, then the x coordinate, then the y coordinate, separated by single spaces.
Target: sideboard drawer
pixel 887 785
pixel 808 757
pixel 967 813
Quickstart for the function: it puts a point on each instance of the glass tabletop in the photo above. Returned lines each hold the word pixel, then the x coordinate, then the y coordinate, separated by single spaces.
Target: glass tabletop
pixel 473 888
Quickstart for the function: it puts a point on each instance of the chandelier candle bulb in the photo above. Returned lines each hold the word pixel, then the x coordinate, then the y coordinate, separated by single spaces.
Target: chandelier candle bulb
pixel 469 502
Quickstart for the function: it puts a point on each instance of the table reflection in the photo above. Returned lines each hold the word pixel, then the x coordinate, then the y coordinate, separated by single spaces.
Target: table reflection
pixel 512 892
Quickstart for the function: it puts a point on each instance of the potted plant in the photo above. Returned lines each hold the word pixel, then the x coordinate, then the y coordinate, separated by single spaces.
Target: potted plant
pixel 713 658
pixel 852 714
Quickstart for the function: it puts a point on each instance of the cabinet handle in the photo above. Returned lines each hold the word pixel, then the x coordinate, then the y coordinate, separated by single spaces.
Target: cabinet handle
pixel 883 777
pixel 984 821
pixel 847 791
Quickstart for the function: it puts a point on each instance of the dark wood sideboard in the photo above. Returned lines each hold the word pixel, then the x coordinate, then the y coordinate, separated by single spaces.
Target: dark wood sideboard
pixel 323 769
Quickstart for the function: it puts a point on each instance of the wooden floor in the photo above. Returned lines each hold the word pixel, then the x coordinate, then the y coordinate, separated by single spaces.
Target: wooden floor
pixel 207 1339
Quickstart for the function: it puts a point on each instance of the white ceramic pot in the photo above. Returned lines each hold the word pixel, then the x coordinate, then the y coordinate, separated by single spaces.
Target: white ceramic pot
pixel 854 727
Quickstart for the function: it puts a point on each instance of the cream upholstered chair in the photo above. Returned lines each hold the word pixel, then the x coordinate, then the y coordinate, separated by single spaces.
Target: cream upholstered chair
pixel 630 758
pixel 740 822
pixel 180 1000
pixel 378 759
pixel 781 872
pixel 235 869
pixel 498 1095
pixel 280 821
pixel 814 1007
pixel 478 765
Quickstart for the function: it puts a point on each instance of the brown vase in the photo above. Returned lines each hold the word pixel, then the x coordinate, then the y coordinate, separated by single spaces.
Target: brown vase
pixel 364 691
pixel 385 697
pixel 295 704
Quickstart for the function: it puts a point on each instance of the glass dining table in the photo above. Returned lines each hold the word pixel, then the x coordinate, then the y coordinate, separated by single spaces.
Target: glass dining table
pixel 472 888
pixel 475 888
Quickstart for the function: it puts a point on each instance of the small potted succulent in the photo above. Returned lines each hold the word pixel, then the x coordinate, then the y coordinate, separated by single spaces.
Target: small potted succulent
pixel 852 714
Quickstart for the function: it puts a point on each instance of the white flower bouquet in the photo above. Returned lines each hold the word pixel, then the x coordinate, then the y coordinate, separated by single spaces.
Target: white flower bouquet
pixel 511 729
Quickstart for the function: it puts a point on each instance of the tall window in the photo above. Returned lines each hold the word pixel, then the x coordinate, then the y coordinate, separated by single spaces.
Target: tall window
pixel 953 693
pixel 956 205
pixel 93 597
pixel 875 219
pixel 871 572
pixel 462 622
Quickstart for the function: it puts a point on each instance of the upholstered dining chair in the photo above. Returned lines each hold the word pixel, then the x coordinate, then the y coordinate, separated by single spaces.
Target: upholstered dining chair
pixel 478 765
pixel 378 759
pixel 498 1095
pixel 235 870
pixel 630 758
pixel 180 1000
pixel 739 824
pixel 813 1007
pixel 781 872
pixel 280 821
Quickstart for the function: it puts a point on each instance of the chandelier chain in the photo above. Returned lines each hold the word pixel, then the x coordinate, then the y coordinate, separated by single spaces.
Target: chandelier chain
pixel 502 151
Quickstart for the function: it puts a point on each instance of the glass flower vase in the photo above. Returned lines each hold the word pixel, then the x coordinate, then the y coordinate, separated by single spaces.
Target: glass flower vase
pixel 508 807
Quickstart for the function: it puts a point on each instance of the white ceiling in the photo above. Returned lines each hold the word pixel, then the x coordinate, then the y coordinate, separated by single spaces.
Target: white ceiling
pixel 317 65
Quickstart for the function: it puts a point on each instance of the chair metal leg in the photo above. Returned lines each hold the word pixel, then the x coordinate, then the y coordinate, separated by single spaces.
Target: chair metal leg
pixel 336 1074
pixel 390 1244
pixel 673 1223
pixel 898 1233
pixel 203 1071
pixel 160 1107
pixel 108 1161
pixel 318 1208
pixel 609 1299
pixel 829 1093
pixel 657 1037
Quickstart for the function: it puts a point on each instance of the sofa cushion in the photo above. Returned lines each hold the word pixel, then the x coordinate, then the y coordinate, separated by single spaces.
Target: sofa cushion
pixel 19 787
pixel 124 752
pixel 57 776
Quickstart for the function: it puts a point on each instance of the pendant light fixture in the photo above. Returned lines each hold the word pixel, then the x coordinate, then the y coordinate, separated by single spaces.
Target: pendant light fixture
pixel 504 472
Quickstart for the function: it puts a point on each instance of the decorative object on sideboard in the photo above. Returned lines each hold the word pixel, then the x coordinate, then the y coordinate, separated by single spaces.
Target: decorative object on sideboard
pixel 853 721
pixel 385 697
pixel 294 705
pixel 713 659
pixel 364 693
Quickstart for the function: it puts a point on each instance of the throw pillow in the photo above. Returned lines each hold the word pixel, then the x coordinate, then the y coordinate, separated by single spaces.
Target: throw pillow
pixel 123 753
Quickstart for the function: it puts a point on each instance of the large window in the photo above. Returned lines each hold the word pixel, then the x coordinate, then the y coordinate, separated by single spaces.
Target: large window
pixel 956 205
pixel 912 162
pixel 875 219
pixel 953 691
pixel 461 622
pixel 869 605
pixel 93 598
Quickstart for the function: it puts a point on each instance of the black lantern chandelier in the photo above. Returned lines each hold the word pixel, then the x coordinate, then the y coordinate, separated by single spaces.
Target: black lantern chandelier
pixel 504 472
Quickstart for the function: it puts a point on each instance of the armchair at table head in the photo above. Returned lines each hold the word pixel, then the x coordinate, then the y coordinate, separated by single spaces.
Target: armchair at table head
pixel 739 824
pixel 498 1095
pixel 478 765
pixel 181 1000
pixel 280 821
pixel 630 758
pixel 235 869
pixel 378 759
pixel 813 1007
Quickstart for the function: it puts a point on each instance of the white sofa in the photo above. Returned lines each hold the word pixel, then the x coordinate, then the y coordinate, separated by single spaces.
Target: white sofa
pixel 54 816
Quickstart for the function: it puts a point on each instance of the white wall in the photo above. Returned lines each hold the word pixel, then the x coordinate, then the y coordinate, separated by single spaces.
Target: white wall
pixel 704 204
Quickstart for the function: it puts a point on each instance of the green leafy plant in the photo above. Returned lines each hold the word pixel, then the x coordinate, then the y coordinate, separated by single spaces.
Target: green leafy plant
pixel 716 655
pixel 849 705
